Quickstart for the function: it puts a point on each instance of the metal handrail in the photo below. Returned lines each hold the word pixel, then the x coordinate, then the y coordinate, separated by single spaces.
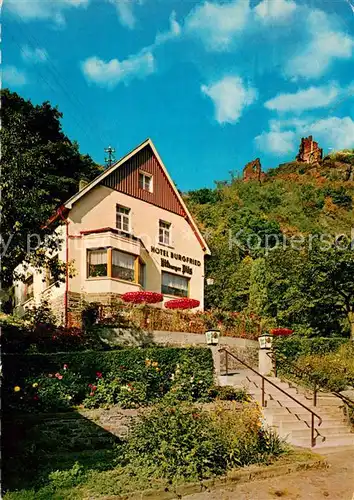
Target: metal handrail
pixel 317 386
pixel 272 357
pixel 264 379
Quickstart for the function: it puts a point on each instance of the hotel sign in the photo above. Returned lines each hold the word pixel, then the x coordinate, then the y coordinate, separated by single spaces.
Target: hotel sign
pixel 183 259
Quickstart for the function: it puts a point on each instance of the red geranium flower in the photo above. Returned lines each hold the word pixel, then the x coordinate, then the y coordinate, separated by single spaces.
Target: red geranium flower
pixel 142 297
pixel 281 331
pixel 98 374
pixel 183 303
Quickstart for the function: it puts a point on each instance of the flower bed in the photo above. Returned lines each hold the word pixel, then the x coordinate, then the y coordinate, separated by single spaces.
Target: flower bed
pixel 130 377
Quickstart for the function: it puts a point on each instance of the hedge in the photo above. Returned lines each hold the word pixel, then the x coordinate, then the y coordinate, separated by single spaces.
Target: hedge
pixel 295 346
pixel 18 367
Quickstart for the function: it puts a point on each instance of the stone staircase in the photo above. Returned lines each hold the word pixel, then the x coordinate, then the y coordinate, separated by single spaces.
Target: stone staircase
pixel 291 421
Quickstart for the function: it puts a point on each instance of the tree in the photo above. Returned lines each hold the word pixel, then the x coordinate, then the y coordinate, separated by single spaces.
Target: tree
pixel 314 287
pixel 40 169
pixel 258 293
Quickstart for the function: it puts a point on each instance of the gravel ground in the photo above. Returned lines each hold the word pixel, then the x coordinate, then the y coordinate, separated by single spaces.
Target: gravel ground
pixel 334 483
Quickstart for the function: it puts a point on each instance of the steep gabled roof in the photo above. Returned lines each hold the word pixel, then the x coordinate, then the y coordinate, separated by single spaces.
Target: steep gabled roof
pixel 148 142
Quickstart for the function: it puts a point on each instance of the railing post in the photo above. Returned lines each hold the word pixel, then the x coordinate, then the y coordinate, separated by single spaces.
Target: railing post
pixel 313 441
pixel 315 395
pixel 263 392
pixel 226 363
pixel 274 363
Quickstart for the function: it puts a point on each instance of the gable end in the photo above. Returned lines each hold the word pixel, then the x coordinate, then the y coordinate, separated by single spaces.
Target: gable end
pixel 125 179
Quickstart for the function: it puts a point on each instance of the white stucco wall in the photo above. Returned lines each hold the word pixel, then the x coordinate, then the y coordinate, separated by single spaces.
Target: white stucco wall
pixel 98 210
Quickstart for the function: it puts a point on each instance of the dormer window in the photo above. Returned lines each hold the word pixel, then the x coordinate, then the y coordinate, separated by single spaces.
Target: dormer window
pixel 145 181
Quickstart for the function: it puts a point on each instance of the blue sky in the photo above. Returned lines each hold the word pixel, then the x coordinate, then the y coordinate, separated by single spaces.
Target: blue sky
pixel 214 84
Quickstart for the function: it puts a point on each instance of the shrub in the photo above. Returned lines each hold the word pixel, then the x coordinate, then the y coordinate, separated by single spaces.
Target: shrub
pixel 190 382
pixel 247 440
pixel 228 393
pixel 37 332
pixel 176 442
pixel 293 347
pixel 332 371
pixel 67 478
pixel 186 442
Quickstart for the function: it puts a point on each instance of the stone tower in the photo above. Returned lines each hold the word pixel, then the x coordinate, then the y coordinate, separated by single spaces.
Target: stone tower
pixel 253 171
pixel 309 151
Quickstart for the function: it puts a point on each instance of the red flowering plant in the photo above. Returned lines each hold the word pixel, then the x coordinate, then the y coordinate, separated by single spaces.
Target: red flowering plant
pixel 281 332
pixel 142 297
pixel 52 392
pixel 182 303
pixel 128 388
pixel 111 389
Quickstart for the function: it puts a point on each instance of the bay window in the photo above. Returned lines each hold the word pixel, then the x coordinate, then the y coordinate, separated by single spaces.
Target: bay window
pixel 112 263
pixel 123 265
pixel 173 284
pixel 97 263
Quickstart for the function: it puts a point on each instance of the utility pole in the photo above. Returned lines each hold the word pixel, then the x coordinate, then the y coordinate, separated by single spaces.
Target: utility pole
pixel 111 157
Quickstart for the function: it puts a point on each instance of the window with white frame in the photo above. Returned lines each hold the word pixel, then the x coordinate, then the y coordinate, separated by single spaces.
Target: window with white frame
pixel 173 284
pixel 123 265
pixel 164 233
pixel 145 181
pixel 123 219
pixel 97 263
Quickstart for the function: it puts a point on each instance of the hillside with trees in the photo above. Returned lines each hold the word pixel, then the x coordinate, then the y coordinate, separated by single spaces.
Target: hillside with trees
pixel 40 169
pixel 278 245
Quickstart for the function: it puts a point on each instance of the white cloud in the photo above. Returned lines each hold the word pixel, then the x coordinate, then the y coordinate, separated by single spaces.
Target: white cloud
pixel 173 32
pixel 230 96
pixel 337 133
pixel 283 137
pixel 111 73
pixel 327 43
pixel 276 141
pixel 275 11
pixel 125 10
pixel 13 77
pixel 216 24
pixel 43 9
pixel 311 98
pixel 36 55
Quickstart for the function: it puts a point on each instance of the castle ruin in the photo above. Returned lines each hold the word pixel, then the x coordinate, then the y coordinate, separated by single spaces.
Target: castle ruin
pixel 309 151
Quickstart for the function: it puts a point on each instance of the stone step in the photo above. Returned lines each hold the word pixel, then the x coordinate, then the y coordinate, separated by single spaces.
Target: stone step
pixel 297 428
pixel 289 403
pixel 291 418
pixel 335 440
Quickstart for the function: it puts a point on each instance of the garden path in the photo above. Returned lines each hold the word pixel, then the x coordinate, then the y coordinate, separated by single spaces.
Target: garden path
pixel 334 483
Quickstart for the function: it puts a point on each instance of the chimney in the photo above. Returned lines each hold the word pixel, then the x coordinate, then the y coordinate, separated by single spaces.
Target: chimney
pixel 82 183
